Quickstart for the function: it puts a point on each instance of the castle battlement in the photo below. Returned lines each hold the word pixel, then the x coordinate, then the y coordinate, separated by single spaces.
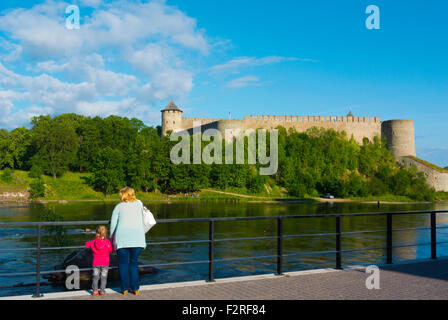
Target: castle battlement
pixel 328 119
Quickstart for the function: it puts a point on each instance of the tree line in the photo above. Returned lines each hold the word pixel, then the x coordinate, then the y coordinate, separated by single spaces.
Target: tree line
pixel 118 151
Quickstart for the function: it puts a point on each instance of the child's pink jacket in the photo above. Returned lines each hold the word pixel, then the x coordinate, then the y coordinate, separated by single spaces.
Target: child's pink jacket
pixel 101 250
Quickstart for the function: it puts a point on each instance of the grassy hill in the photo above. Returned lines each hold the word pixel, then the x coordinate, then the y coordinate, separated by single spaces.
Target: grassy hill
pixel 72 186
pixel 430 165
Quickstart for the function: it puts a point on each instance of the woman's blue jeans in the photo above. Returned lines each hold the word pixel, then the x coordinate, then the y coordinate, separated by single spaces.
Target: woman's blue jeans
pixel 128 268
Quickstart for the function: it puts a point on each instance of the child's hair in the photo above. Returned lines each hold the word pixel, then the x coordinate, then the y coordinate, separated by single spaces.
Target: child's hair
pixel 101 232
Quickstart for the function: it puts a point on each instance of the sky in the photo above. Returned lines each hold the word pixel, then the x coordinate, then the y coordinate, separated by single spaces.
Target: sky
pixel 282 57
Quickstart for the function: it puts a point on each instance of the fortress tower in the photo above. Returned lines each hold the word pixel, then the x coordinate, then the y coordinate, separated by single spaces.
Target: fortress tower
pixel 171 118
pixel 400 137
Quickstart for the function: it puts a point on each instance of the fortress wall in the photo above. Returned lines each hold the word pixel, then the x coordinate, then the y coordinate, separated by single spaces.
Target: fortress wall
pixel 437 180
pixel 289 118
pixel 206 123
pixel 359 127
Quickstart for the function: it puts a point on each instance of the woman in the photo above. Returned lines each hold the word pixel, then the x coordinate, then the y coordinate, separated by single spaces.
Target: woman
pixel 127 227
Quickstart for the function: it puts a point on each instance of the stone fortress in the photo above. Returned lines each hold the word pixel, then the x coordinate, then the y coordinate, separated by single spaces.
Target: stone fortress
pixel 399 134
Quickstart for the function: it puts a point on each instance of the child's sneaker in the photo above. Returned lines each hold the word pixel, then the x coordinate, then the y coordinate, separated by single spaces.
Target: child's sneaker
pixel 95 293
pixel 102 293
pixel 125 292
pixel 137 292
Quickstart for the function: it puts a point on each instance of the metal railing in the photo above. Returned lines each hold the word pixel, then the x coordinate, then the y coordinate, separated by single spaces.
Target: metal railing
pixel 279 237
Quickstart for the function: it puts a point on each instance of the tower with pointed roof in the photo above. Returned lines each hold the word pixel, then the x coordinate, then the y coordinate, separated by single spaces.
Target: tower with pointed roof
pixel 171 118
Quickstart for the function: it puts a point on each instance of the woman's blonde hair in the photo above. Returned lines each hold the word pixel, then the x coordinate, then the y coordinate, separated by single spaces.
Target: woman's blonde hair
pixel 127 195
pixel 101 232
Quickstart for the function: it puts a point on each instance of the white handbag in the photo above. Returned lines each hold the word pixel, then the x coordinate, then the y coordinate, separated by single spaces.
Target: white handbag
pixel 148 218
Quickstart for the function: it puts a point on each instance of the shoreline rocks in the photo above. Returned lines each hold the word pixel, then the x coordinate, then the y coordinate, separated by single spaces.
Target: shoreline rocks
pixel 15 196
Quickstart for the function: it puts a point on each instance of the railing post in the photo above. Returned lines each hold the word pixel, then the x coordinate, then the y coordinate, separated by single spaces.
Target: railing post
pixel 338 244
pixel 279 246
pixel 211 249
pixel 433 236
pixel 37 293
pixel 389 239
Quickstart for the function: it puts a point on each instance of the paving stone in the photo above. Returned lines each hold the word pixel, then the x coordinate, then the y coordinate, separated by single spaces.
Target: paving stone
pixel 415 281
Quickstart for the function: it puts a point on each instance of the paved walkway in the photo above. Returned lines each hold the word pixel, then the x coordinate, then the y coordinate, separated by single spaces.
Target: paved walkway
pixel 422 280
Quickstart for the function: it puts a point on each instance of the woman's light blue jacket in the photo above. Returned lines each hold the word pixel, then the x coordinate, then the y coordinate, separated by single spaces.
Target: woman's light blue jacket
pixel 127 224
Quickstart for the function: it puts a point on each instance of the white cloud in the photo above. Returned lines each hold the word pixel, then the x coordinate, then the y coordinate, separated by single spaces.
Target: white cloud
pixel 91 3
pixel 249 81
pixel 42 32
pixel 12 51
pixel 51 66
pixel 87 70
pixel 237 63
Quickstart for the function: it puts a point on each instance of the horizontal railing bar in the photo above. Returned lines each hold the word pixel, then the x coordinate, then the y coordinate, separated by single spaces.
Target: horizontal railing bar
pixel 80 223
pixel 303 216
pixel 219 240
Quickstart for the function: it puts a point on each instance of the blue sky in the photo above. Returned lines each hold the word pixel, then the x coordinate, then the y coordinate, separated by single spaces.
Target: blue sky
pixel 215 57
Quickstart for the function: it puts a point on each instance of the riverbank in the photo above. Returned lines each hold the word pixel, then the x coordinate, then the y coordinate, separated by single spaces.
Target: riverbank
pixel 223 198
pixel 72 187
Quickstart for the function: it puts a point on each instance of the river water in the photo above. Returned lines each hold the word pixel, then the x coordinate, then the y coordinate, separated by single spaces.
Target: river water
pixel 24 261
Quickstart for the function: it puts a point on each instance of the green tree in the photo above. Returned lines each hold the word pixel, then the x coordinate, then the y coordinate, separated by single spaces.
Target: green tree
pixel 90 141
pixel 108 171
pixel 7 175
pixel 35 172
pixel 13 147
pixel 56 144
pixel 140 173
pixel 37 189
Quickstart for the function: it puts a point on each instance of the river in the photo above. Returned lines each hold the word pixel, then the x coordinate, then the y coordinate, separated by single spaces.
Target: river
pixel 24 261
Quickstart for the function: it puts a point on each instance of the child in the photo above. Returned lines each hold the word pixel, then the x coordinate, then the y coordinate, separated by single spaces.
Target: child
pixel 101 248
